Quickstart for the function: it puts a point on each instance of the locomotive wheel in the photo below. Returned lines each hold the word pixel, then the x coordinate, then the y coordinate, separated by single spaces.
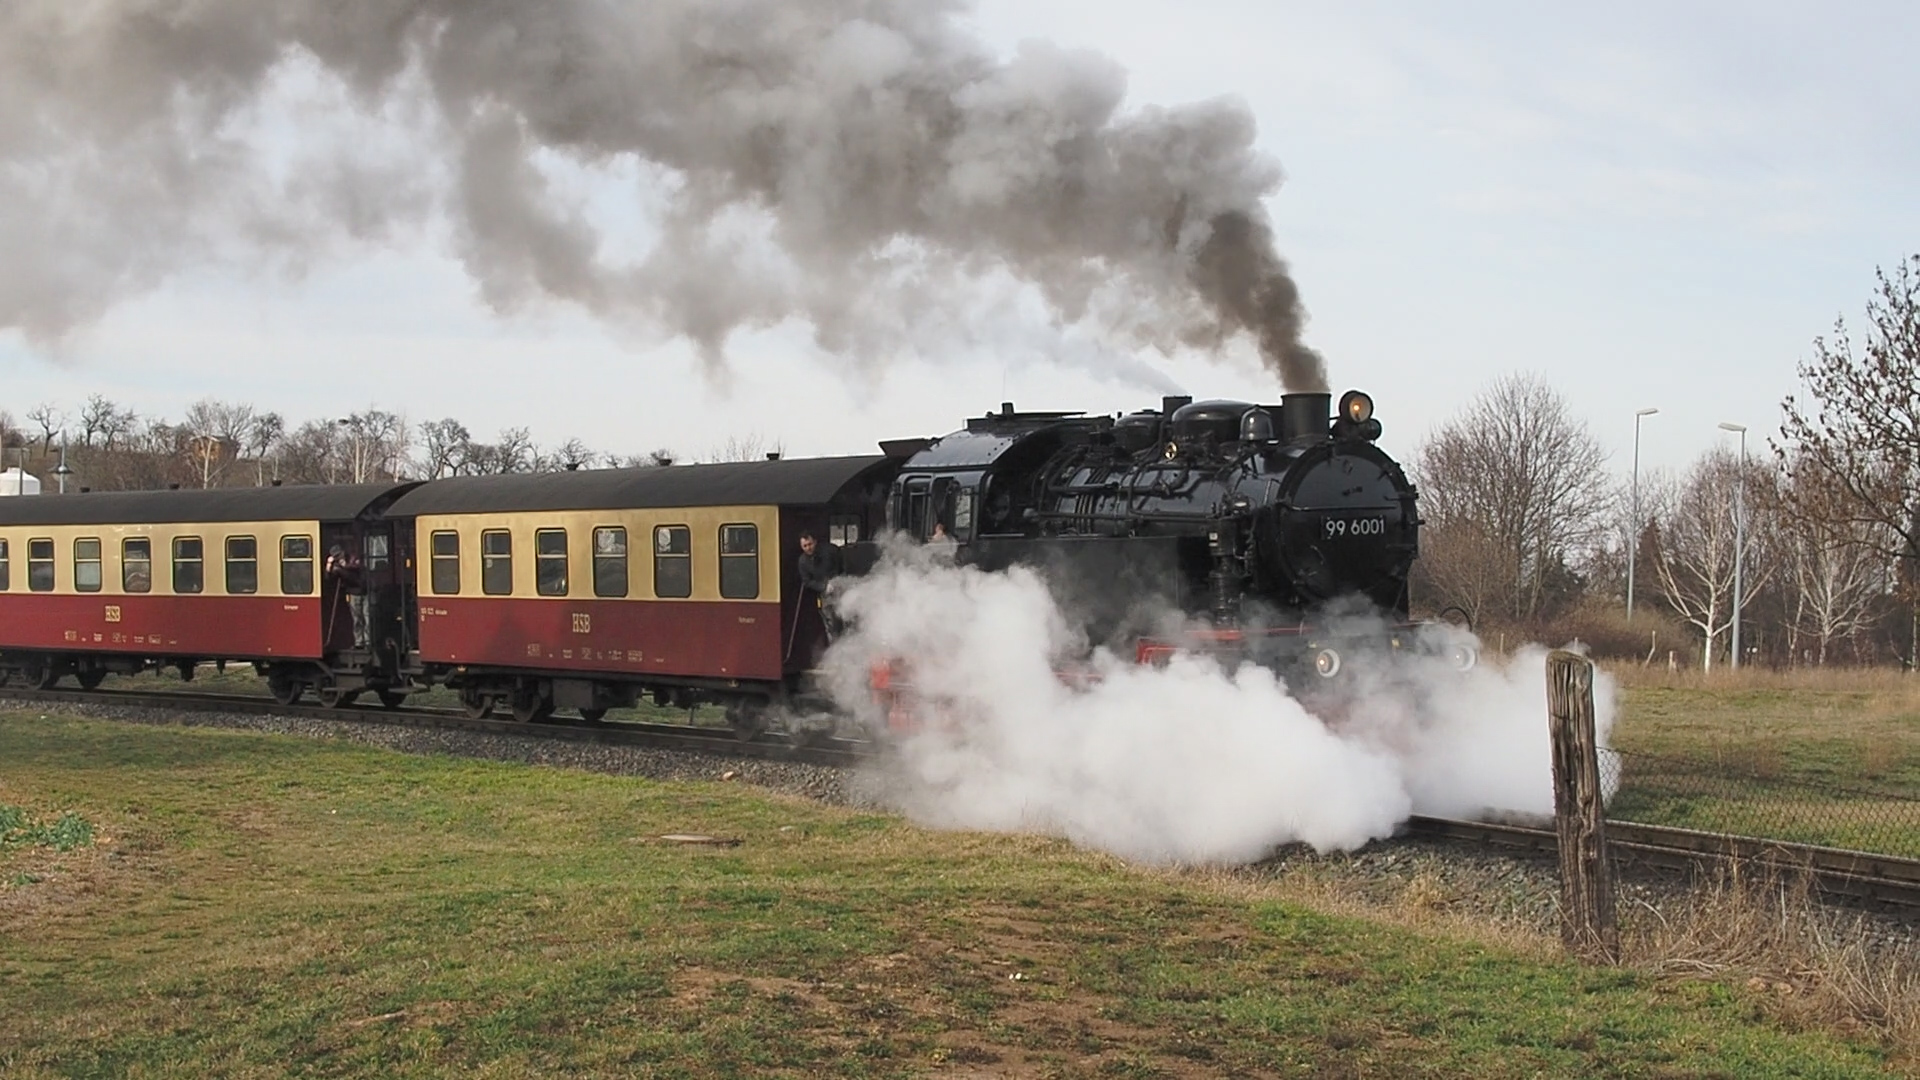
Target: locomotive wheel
pixel 91 678
pixel 477 705
pixel 335 698
pixel 284 689
pixel 392 699
pixel 592 716
pixel 530 706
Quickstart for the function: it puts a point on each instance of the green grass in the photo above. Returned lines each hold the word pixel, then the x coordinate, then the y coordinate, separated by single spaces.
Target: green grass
pixel 1823 760
pixel 261 905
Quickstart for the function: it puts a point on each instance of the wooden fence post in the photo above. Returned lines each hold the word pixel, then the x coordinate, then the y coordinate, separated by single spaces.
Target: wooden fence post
pixel 1586 877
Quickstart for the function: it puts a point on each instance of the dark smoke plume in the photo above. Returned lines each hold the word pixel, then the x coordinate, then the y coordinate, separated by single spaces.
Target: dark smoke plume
pixel 865 166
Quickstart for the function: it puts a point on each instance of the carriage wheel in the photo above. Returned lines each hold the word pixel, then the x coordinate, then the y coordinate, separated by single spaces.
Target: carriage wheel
pixel 592 716
pixel 530 706
pixel 41 675
pixel 284 688
pixel 392 699
pixel 478 706
pixel 335 698
pixel 91 678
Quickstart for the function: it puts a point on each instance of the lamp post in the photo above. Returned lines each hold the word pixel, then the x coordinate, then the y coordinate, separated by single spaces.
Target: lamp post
pixel 61 470
pixel 1633 530
pixel 1739 534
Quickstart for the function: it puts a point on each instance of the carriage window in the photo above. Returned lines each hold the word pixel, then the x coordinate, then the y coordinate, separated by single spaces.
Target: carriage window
pixel 296 565
pixel 136 564
pixel 740 562
pixel 6 568
pixel 673 561
pixel 496 563
pixel 243 565
pixel 40 565
pixel 377 546
pixel 609 562
pixel 86 565
pixel 188 573
pixel 445 552
pixel 550 562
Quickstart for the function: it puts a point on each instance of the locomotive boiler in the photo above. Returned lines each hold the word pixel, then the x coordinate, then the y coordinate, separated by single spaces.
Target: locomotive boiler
pixel 1253 521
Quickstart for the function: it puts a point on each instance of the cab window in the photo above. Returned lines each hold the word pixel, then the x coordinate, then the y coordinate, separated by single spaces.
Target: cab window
pixel 444 551
pixel 136 564
pixel 740 562
pixel 40 565
pixel 189 573
pixel 610 562
pixel 296 565
pixel 86 564
pixel 550 562
pixel 243 566
pixel 672 561
pixel 6 567
pixel 496 563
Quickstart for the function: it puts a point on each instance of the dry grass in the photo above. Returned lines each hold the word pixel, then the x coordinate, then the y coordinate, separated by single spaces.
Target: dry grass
pixel 1763 926
pixel 1901 687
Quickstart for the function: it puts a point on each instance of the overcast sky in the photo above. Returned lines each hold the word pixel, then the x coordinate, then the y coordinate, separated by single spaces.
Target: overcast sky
pixel 1649 204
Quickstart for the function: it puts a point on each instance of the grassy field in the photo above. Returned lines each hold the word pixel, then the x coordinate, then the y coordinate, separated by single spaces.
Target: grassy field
pixel 1829 757
pixel 254 905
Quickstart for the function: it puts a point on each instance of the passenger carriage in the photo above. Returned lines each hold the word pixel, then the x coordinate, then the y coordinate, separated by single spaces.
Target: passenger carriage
pixel 96 583
pixel 588 590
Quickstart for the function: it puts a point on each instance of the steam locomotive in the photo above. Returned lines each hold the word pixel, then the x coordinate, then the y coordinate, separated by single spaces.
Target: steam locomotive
pixel 1253 520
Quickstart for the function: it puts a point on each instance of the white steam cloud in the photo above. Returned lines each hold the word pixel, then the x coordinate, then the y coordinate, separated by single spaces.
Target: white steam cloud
pixel 865 166
pixel 1186 763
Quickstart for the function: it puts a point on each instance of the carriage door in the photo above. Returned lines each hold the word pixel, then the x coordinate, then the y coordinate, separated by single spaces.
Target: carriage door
pixel 383 592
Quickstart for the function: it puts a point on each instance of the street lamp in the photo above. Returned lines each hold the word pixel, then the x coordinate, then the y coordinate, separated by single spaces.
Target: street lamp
pixel 1739 533
pixel 1633 531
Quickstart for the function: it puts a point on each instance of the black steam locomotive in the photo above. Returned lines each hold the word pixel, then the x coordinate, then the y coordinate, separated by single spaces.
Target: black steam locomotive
pixel 1254 520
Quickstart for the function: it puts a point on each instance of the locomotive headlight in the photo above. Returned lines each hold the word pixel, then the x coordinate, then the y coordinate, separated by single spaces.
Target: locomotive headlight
pixel 1356 407
pixel 1463 657
pixel 1326 663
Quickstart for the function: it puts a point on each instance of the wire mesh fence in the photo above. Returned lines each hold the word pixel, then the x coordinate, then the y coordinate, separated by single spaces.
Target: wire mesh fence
pixel 1724 797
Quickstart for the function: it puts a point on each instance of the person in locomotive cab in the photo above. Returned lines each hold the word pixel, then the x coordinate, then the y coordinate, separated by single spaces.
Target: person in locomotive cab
pixel 346 571
pixel 819 564
pixel 942 543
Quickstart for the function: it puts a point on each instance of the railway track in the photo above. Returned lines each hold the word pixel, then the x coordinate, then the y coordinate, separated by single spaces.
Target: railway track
pixel 813 751
pixel 1856 875
pixel 1852 874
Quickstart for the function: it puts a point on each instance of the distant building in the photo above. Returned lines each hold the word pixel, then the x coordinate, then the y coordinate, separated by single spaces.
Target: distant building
pixel 18 481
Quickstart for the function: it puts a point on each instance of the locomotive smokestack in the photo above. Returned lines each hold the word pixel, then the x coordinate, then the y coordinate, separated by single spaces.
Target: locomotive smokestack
pixel 1305 416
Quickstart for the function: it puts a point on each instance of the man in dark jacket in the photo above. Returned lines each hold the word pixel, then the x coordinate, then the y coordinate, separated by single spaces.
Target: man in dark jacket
pixel 819 565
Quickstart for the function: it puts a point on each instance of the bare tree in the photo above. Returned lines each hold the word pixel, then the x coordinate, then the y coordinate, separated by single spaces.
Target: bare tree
pixel 1694 558
pixel 1857 441
pixel 10 434
pixel 1517 487
pixel 573 454
pixel 1834 570
pixel 376 444
pixel 264 433
pixel 754 447
pixel 50 420
pixel 444 444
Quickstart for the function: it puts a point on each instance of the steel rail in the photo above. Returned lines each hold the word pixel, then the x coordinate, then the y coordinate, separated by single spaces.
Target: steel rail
pixel 1857 875
pixel 770 745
